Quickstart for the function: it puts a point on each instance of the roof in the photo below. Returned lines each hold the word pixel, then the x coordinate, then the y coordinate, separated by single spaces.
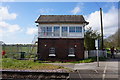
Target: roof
pixel 61 19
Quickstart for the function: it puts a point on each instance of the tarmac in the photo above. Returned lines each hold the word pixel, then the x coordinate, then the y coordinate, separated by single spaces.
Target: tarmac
pixel 107 70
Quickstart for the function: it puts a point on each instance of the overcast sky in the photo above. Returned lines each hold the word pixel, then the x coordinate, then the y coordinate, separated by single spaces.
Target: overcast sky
pixel 17 19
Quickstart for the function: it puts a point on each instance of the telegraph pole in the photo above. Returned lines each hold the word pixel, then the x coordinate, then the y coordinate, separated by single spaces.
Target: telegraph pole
pixel 118 25
pixel 102 43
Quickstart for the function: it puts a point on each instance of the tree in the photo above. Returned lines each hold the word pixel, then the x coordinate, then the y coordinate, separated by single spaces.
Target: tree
pixel 113 40
pixel 90 37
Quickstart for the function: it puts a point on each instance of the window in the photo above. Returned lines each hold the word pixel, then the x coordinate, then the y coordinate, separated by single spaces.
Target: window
pixel 49 31
pixel 43 31
pixel 56 31
pixel 46 31
pixel 71 50
pixel 64 31
pixel 75 29
pixel 72 29
pixel 52 51
pixel 78 29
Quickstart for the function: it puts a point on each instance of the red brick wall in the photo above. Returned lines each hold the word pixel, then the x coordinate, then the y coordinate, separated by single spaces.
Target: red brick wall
pixel 62 46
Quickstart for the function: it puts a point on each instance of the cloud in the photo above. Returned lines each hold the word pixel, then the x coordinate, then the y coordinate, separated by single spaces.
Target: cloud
pixel 77 8
pixel 6 15
pixel 110 21
pixel 45 10
pixel 31 30
pixel 5 27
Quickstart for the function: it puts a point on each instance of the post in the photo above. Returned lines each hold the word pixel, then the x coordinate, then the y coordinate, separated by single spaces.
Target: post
pixel 102 43
pixel 97 58
pixel 96 45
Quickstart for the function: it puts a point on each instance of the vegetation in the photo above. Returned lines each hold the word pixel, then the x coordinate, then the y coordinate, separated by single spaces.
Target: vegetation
pixel 14 64
pixel 113 40
pixel 90 37
pixel 91 59
pixel 14 51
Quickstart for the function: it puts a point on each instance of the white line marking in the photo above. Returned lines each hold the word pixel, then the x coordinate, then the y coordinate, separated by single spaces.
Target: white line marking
pixel 79 75
pixel 96 71
pixel 104 71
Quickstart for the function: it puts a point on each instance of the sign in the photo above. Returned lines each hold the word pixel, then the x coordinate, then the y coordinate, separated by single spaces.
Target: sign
pixel 96 44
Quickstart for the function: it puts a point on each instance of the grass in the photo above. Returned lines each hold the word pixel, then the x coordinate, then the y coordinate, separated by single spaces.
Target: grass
pixel 14 64
pixel 84 61
pixel 92 59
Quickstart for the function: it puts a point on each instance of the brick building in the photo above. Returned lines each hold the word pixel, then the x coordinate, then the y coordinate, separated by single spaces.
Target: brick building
pixel 61 36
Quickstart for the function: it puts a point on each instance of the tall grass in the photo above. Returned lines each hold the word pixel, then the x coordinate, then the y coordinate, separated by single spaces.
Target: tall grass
pixel 14 64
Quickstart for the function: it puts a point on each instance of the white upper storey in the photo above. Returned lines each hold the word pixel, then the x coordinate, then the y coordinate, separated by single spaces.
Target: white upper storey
pixel 61 30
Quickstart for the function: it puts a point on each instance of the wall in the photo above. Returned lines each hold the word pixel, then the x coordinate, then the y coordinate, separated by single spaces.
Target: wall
pixel 62 46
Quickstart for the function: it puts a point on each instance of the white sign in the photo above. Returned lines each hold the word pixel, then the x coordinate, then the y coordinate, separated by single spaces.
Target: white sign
pixel 96 44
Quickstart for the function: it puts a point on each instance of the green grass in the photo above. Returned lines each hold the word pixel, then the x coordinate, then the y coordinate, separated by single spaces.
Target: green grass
pixel 89 60
pixel 84 61
pixel 92 59
pixel 14 64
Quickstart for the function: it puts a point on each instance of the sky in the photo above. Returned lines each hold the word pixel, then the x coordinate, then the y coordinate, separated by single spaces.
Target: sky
pixel 17 19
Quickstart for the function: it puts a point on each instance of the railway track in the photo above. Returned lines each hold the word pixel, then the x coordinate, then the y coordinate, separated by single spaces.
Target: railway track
pixel 34 75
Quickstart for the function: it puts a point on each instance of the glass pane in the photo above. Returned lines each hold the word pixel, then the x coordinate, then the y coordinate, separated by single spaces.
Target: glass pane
pixel 78 29
pixel 56 31
pixel 72 29
pixel 49 31
pixel 46 31
pixel 43 31
pixel 64 31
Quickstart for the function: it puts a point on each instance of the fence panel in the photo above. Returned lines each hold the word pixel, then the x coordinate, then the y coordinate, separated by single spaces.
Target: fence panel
pixel 93 53
pixel 14 51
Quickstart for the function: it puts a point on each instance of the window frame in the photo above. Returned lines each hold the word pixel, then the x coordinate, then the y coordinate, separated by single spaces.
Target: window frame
pixel 73 29
pixel 61 32
pixel 56 33
pixel 64 31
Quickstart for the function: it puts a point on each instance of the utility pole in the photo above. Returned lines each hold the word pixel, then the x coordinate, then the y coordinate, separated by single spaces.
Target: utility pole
pixel 118 25
pixel 102 43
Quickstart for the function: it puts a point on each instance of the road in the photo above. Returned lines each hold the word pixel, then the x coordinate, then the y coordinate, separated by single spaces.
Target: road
pixel 108 70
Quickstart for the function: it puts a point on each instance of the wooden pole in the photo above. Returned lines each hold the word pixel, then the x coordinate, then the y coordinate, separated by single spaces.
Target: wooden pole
pixel 102 43
pixel 118 24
